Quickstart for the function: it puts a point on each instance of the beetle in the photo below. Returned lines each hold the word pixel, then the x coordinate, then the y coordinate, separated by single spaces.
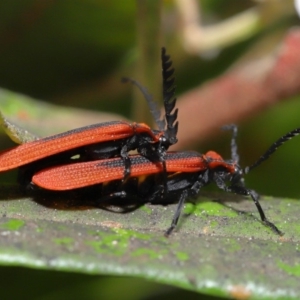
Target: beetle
pixel 105 140
pixel 187 173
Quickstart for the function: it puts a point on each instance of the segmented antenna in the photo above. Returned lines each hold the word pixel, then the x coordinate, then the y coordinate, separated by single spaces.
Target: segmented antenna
pixel 152 105
pixel 168 96
pixel 233 145
pixel 273 148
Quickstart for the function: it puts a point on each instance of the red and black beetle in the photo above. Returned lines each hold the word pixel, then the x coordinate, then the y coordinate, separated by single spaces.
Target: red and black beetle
pixel 52 167
pixel 104 140
pixel 187 173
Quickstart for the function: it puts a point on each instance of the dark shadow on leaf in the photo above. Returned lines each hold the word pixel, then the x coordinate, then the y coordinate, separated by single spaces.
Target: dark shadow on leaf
pixel 81 199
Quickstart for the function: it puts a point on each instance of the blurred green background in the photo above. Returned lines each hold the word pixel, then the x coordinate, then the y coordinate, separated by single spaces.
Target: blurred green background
pixel 73 53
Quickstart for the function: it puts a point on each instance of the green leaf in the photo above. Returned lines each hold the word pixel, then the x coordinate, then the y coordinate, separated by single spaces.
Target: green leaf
pixel 219 248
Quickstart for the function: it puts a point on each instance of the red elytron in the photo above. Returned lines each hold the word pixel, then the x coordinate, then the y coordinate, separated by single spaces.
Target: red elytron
pixel 78 175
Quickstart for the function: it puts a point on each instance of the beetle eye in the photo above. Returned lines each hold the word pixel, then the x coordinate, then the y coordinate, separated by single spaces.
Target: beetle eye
pixel 163 139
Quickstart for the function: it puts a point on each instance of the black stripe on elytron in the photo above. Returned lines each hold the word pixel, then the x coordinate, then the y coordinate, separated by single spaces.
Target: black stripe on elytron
pixel 139 160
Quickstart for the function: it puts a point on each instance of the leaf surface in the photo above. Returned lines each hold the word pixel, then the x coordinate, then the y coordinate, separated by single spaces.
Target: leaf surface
pixel 219 247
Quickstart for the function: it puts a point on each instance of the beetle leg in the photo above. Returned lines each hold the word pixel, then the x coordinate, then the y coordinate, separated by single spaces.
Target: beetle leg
pixel 179 208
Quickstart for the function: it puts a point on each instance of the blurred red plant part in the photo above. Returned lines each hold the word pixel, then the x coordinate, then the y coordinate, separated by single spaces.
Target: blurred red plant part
pixel 240 93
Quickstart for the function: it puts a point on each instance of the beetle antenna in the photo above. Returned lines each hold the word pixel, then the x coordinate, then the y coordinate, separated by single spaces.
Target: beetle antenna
pixel 168 97
pixel 273 148
pixel 234 153
pixel 152 105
